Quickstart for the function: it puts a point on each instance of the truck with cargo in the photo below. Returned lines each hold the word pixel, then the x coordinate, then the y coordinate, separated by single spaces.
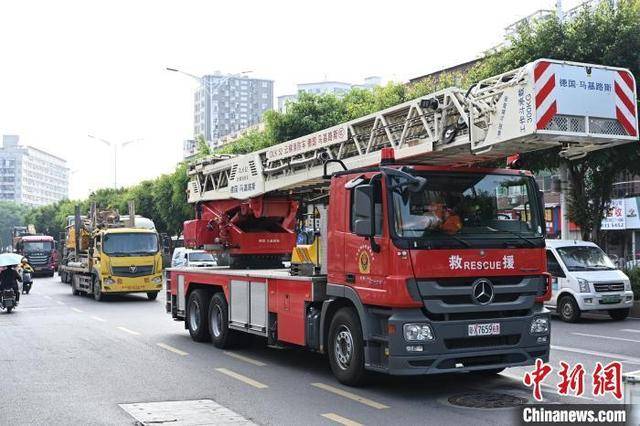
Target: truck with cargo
pixel 105 253
pixel 423 260
pixel 40 250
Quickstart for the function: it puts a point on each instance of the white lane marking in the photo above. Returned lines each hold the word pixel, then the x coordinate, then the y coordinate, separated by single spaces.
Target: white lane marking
pixel 349 395
pixel 77 310
pixel 242 378
pixel 339 419
pixel 244 358
pixel 59 302
pixel 599 336
pixel 126 330
pixel 625 358
pixel 630 330
pixel 551 388
pixel 98 319
pixel 198 412
pixel 48 297
pixel 172 349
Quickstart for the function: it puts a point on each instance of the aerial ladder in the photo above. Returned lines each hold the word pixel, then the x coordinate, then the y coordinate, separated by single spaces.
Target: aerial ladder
pixel 247 206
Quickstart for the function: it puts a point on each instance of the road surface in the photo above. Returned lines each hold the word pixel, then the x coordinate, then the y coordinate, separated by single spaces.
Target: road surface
pixel 72 360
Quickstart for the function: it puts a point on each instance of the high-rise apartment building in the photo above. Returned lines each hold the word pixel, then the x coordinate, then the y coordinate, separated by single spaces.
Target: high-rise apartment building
pixel 30 176
pixel 226 104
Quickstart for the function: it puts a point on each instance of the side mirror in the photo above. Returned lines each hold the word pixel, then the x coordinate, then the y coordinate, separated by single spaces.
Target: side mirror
pixel 364 211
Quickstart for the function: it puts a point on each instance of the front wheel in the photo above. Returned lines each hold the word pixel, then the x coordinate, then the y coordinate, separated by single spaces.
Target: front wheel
pixel 152 295
pixel 9 309
pixel 197 308
pixel 619 314
pixel 568 309
pixel 98 295
pixel 346 348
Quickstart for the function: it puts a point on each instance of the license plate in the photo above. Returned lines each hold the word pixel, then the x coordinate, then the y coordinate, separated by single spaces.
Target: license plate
pixel 606 300
pixel 490 329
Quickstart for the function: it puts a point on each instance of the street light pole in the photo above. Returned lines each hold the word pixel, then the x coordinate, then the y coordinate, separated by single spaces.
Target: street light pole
pixel 115 154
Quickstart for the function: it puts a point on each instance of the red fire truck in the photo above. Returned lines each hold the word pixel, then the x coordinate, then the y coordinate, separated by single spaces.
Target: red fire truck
pixel 419 263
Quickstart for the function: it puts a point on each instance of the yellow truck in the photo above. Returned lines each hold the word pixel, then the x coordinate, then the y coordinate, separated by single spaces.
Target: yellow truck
pixel 105 253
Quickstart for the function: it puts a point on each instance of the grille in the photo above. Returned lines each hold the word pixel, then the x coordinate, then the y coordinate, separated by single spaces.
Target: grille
pixel 606 126
pixel 480 342
pixel 129 271
pixel 38 259
pixel 566 123
pixel 601 287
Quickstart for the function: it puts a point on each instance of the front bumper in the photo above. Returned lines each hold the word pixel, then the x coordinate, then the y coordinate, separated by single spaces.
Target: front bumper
pixel 594 301
pixel 143 284
pixel 453 350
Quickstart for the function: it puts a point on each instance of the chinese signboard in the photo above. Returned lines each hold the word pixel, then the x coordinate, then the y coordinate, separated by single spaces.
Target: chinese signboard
pixel 323 138
pixel 614 216
pixel 582 91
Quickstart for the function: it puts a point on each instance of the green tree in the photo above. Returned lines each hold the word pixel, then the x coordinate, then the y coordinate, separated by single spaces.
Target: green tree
pixel 11 214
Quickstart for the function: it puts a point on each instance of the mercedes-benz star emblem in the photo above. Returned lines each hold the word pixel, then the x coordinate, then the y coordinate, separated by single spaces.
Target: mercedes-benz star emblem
pixel 482 292
pixel 132 269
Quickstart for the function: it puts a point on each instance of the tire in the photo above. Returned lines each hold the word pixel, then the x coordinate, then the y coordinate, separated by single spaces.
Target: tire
pixel 152 295
pixel 98 295
pixel 9 309
pixel 568 309
pixel 197 318
pixel 619 314
pixel 346 348
pixel 221 336
pixel 74 290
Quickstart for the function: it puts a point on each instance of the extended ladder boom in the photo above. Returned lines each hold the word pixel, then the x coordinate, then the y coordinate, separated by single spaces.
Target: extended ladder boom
pixel 544 104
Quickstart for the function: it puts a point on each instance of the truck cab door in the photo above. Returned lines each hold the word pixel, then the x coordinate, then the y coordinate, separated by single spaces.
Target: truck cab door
pixel 366 256
pixel 558 276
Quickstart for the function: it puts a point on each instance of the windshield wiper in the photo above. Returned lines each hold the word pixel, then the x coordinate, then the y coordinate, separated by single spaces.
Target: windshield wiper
pixel 460 240
pixel 532 243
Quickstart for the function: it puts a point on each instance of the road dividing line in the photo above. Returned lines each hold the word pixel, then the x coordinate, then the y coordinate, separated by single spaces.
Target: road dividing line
pixel 242 378
pixel 630 330
pixel 77 310
pixel 619 357
pixel 172 349
pixel 126 330
pixel 339 419
pixel 59 302
pixel 351 396
pixel 598 336
pixel 245 358
pixel 99 319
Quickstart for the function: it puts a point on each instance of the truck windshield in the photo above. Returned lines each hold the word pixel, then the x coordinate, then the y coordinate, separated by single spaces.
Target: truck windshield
pixel 585 258
pixel 33 246
pixel 134 243
pixel 467 209
pixel 200 257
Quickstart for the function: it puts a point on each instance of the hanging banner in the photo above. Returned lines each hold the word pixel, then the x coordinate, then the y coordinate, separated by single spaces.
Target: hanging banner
pixel 614 216
pixel 632 215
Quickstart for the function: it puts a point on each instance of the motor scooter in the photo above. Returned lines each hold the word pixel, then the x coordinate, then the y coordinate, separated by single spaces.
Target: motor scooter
pixel 8 300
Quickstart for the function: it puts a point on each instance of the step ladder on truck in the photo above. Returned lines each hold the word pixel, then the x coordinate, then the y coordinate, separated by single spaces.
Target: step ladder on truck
pixel 421 262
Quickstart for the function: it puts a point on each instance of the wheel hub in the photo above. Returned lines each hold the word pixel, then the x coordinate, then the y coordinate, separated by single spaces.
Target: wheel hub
pixel 194 316
pixel 344 347
pixel 216 321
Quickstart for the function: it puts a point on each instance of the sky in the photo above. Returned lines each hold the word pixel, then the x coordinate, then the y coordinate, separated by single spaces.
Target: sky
pixel 73 68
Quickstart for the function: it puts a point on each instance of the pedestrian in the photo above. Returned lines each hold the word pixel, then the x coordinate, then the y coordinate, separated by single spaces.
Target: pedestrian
pixel 9 280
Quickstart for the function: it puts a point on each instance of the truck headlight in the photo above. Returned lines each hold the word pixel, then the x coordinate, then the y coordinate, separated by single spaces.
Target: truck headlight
pixel 109 281
pixel 539 325
pixel 156 280
pixel 584 285
pixel 627 286
pixel 417 332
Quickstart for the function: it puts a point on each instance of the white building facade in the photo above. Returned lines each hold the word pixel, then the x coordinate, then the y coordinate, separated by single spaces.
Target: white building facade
pixel 30 176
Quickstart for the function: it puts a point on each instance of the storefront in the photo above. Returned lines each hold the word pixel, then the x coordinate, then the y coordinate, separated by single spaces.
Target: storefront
pixel 622 231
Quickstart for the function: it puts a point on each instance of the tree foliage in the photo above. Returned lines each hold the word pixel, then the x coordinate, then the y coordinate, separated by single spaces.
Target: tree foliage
pixel 11 214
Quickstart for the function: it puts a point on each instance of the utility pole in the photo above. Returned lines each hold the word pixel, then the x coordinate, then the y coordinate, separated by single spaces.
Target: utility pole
pixel 115 154
pixel 565 189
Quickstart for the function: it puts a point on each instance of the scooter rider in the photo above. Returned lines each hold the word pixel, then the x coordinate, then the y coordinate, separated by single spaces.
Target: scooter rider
pixel 9 278
pixel 25 270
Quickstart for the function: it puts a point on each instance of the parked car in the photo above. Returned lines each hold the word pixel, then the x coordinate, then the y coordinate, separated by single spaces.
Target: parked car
pixel 585 279
pixel 194 258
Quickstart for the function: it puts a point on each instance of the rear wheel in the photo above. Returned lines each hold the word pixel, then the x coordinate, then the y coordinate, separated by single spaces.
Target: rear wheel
pixel 346 347
pixel 74 288
pixel 152 295
pixel 221 336
pixel 619 314
pixel 9 309
pixel 197 321
pixel 568 309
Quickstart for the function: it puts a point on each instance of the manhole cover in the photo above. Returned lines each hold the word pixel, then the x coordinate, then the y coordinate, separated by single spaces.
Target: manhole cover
pixel 486 400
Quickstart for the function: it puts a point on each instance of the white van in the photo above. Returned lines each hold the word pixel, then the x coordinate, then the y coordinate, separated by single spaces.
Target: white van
pixel 585 279
pixel 194 258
